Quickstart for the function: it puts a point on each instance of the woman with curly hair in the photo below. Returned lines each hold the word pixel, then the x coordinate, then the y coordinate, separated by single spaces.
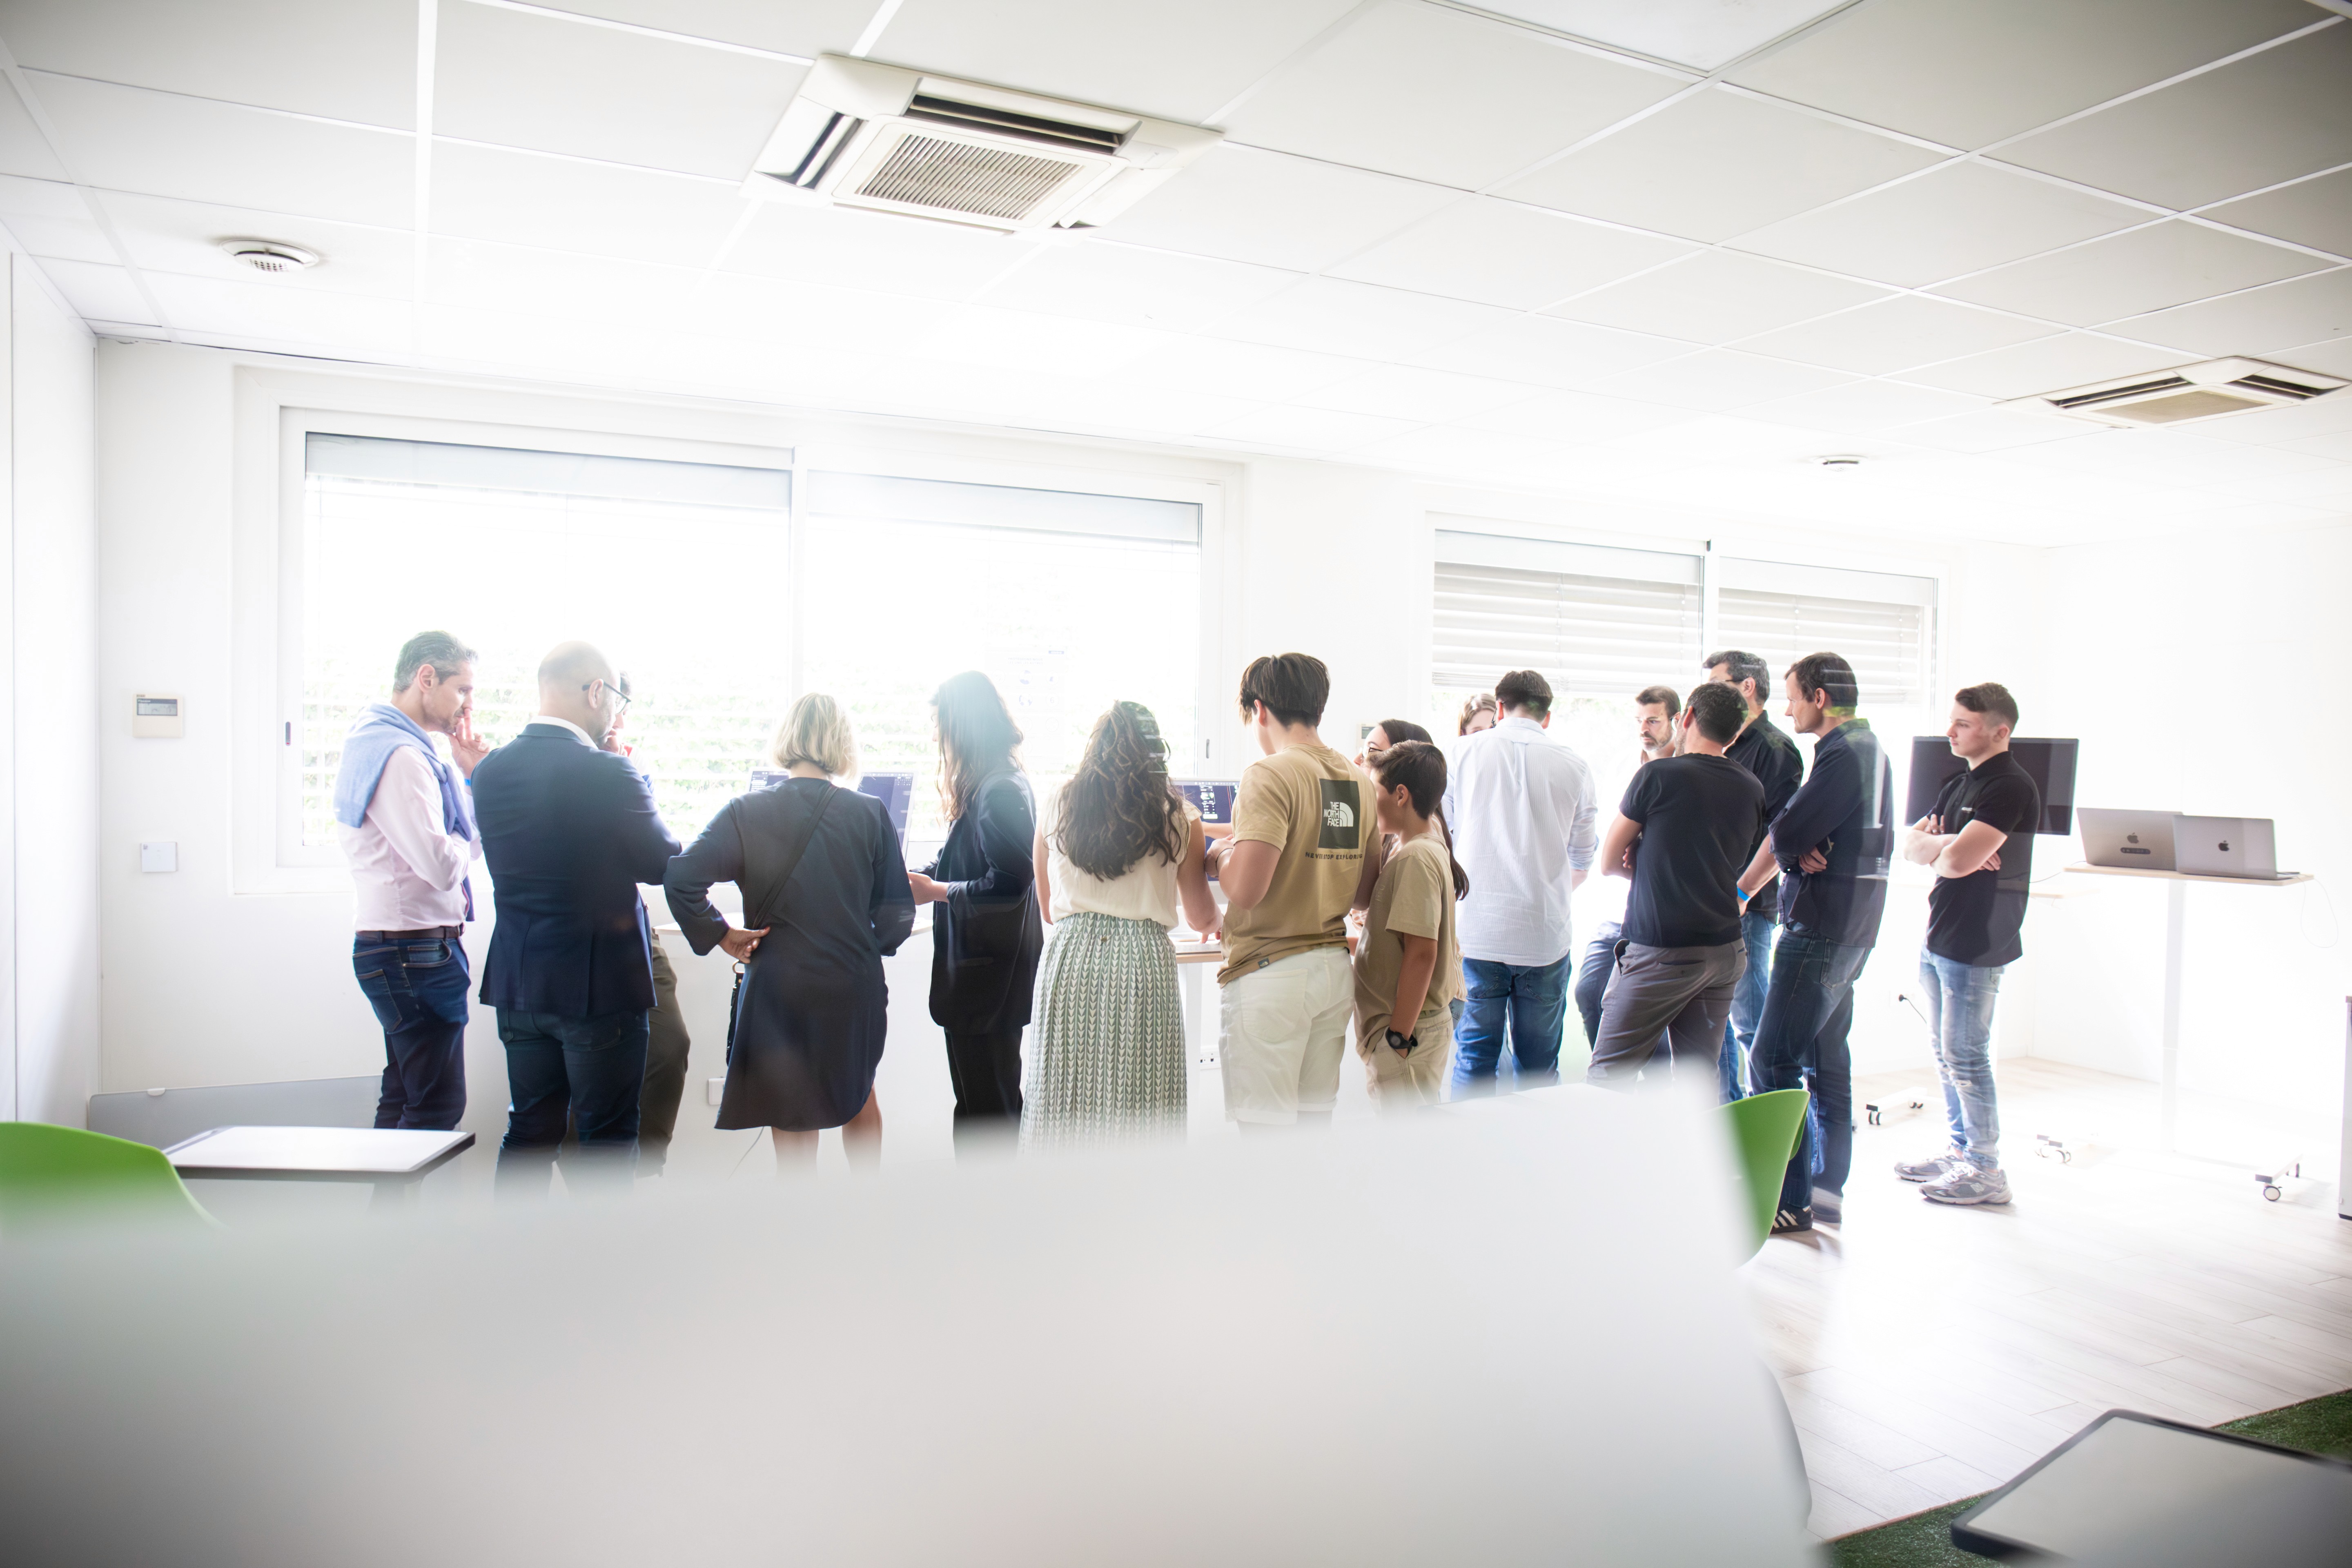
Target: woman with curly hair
pixel 1117 849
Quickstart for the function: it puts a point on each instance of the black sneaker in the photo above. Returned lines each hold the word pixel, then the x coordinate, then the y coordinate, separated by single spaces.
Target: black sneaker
pixel 1787 1220
pixel 1829 1207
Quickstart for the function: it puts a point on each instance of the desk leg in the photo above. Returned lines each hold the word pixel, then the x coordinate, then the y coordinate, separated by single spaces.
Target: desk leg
pixel 2176 919
pixel 1198 1039
pixel 2344 1149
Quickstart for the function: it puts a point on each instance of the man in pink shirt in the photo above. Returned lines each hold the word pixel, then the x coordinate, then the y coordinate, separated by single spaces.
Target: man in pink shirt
pixel 407 830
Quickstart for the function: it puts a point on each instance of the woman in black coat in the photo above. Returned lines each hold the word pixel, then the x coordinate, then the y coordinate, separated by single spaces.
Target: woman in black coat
pixel 823 864
pixel 987 936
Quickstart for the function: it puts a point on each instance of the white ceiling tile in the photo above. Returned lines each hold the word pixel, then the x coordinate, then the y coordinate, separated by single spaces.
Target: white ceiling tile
pixel 1580 418
pixel 784 321
pixel 1966 75
pixel 1865 406
pixel 23 150
pixel 1307 429
pixel 507 340
pixel 1429 396
pixel 1894 334
pixel 98 291
pixel 2127 274
pixel 1112 282
pixel 1715 296
pixel 1276 210
pixel 1116 402
pixel 2046 364
pixel 352 59
pixel 1994 430
pixel 2333 357
pixel 1719 163
pixel 853 249
pixel 345 323
pixel 1444 96
pixel 166 236
pixel 2258 321
pixel 1702 33
pixel 1179 62
pixel 2316 212
pixel 1718 439
pixel 118 138
pixel 2329 488
pixel 2169 458
pixel 481 275
pixel 807 27
pixel 1500 253
pixel 1718 379
pixel 1550 352
pixel 1961 218
pixel 531 81
pixel 48 217
pixel 518 198
pixel 2267 117
pixel 1479 455
pixel 1330 316
pixel 1026 340
pixel 1253 370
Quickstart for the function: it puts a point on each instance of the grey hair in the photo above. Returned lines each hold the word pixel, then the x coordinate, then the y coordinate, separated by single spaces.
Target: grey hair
pixel 439 649
pixel 1743 666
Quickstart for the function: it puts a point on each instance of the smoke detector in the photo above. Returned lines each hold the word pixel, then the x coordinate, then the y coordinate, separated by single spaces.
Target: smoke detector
pixel 271 255
pixel 892 139
pixel 2206 391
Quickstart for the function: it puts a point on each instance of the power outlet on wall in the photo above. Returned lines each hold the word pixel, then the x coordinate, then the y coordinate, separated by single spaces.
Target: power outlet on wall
pixel 717 1086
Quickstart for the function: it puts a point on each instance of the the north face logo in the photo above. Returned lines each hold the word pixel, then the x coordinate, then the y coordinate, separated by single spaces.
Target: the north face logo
pixel 1340 816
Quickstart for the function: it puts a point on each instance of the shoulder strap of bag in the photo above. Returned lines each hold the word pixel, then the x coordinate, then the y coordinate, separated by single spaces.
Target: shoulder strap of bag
pixel 792 860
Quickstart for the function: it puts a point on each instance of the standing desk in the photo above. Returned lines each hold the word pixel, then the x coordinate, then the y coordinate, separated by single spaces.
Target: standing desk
pixel 2176 920
pixel 1193 959
pixel 392 1159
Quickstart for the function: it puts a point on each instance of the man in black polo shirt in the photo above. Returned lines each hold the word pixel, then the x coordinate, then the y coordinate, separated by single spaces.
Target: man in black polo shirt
pixel 1831 844
pixel 1765 750
pixel 1684 833
pixel 1980 842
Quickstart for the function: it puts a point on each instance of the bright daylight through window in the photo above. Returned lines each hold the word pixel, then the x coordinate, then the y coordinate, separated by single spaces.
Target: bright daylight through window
pixel 517 551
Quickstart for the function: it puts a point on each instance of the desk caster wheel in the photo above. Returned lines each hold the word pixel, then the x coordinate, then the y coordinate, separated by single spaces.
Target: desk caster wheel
pixel 2271 1195
pixel 1874 1114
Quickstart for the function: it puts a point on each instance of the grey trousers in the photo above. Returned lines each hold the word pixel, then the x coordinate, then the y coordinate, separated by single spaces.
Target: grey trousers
pixel 667 1048
pixel 1684 991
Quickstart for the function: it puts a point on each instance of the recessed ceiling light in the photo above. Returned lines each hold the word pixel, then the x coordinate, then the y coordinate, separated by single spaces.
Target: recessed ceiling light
pixel 271 255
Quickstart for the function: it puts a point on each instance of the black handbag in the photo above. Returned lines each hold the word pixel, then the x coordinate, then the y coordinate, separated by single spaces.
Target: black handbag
pixel 792 864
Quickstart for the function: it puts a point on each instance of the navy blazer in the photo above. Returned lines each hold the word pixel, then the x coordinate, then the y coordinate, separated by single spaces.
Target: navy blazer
pixel 568 832
pixel 986 936
pixel 1846 810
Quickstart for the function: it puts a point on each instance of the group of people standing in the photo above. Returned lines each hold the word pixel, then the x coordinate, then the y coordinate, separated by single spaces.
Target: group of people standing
pixel 1418 901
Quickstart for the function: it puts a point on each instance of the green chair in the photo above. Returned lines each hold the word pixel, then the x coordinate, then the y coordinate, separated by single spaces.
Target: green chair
pixel 52 1175
pixel 1764 1129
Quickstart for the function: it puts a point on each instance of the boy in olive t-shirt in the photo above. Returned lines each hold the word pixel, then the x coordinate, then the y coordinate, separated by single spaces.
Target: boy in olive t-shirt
pixel 1294 864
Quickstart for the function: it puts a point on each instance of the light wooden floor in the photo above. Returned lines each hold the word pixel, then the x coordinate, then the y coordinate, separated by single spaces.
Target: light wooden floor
pixel 1929 1353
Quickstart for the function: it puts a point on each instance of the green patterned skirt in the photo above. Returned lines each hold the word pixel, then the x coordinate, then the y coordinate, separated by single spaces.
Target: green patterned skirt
pixel 1107 1051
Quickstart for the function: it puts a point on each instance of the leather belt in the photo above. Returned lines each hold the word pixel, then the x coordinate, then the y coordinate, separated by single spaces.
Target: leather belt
pixel 430 933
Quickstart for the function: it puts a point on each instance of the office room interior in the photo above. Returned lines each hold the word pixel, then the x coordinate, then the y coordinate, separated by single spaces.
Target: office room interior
pixel 1106 348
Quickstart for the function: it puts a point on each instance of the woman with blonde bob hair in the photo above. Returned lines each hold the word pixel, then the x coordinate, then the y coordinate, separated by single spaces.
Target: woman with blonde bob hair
pixel 825 900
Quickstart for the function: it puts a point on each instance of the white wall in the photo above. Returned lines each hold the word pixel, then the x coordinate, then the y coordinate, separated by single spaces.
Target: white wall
pixel 218 986
pixel 52 758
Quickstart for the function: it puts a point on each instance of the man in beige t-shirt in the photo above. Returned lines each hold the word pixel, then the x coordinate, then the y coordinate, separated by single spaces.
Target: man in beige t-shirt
pixel 1296 860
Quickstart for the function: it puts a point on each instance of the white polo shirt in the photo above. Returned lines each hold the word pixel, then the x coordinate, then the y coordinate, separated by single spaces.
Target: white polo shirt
pixel 1522 809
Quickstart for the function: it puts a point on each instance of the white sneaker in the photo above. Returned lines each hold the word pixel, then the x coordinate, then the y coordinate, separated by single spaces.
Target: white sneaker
pixel 1929 1169
pixel 1966 1184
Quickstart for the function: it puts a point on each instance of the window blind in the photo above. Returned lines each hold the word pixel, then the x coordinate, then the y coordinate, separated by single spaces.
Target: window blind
pixel 1593 621
pixel 1889 640
pixel 546 473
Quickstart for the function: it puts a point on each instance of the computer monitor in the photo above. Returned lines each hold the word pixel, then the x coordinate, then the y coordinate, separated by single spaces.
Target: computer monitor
pixel 895 791
pixel 2049 763
pixel 1214 799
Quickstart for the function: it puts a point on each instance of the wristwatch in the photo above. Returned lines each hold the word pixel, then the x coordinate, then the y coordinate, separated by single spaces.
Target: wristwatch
pixel 1402 1045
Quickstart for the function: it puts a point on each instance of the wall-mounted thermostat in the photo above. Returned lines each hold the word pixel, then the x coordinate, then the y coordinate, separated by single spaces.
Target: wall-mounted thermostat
pixel 155 717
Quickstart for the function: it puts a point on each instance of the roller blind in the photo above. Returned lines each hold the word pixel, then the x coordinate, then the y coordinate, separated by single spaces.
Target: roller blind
pixel 1593 621
pixel 1885 625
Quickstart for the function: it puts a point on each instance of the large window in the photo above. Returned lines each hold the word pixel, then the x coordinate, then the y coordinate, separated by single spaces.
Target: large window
pixel 677 571
pixel 1068 601
pixel 1883 625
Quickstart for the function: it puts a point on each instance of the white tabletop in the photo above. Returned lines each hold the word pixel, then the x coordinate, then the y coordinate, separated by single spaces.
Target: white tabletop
pixel 326 1151
pixel 2285 879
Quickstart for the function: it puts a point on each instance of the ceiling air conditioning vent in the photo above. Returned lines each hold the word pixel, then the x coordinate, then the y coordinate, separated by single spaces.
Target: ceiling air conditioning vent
pixel 893 140
pixel 2203 391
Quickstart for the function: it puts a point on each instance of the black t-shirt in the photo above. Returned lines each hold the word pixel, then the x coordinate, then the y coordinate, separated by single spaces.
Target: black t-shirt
pixel 1975 919
pixel 1701 819
pixel 1765 750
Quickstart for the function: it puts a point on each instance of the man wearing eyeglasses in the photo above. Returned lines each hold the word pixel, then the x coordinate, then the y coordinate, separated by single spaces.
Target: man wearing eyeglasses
pixel 569 830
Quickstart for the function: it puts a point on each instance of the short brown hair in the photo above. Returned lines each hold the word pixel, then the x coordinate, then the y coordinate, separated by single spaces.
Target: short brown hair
pixel 1482 703
pixel 1523 688
pixel 1829 673
pixel 1718 710
pixel 1292 686
pixel 1665 694
pixel 1989 697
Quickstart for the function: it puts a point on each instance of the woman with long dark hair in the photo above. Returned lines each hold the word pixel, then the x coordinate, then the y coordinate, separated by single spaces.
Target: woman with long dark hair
pixel 1117 851
pixel 985 939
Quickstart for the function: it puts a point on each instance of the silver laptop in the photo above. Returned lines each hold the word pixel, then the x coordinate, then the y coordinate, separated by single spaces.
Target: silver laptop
pixel 2227 846
pixel 2133 840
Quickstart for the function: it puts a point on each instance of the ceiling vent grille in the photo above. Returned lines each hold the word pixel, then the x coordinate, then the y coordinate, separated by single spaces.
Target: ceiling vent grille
pixel 893 140
pixel 2206 391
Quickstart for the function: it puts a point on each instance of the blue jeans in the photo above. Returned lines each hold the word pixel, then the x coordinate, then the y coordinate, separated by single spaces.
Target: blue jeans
pixel 588 1072
pixel 1758 932
pixel 1801 1043
pixel 418 991
pixel 1959 998
pixel 1592 977
pixel 1535 999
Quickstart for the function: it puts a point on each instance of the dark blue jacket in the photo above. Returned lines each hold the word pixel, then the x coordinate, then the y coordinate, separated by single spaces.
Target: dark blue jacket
pixel 568 832
pixel 1847 811
pixel 986 936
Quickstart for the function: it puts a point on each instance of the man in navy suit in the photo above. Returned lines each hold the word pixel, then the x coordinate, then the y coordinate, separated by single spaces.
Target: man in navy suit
pixel 568 832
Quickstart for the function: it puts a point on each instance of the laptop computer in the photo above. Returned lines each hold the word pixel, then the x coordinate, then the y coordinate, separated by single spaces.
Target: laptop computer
pixel 1213 798
pixel 2227 846
pixel 2130 840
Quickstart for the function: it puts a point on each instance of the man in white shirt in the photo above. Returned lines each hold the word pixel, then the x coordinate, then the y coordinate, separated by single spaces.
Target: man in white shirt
pixel 407 830
pixel 1521 807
